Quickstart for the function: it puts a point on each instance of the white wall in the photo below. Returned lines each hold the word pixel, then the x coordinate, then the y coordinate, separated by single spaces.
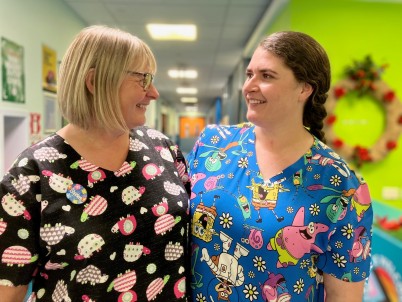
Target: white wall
pixel 30 24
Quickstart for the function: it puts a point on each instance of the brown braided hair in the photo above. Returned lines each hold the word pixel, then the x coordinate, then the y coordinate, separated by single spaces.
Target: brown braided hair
pixel 309 63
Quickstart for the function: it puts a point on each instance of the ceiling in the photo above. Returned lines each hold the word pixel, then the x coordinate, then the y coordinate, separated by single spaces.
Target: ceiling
pixel 224 28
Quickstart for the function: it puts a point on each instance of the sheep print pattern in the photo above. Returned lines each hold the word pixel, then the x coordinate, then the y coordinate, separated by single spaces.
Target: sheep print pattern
pixel 84 233
pixel 256 239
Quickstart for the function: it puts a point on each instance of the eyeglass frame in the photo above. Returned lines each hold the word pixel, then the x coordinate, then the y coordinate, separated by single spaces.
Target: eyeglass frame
pixel 147 80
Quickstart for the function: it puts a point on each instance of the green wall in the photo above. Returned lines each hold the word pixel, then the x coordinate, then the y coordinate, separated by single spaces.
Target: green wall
pixel 350 30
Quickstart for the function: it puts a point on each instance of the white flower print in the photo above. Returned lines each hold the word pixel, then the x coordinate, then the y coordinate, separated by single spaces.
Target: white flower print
pixel 347 231
pixel 250 292
pixel 335 180
pixel 195 164
pixel 317 176
pixel 304 263
pixel 243 162
pixel 214 139
pixel 339 260
pixel 251 274
pixel 200 298
pixel 289 209
pixel 339 244
pixel 356 270
pixel 259 263
pixel 314 209
pixel 226 220
pixel 217 247
pixel 298 287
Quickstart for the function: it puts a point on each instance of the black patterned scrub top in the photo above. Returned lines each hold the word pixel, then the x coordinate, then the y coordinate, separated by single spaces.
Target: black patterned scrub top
pixel 83 233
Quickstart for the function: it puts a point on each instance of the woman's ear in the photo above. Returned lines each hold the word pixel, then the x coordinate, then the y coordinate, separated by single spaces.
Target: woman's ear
pixel 306 91
pixel 89 80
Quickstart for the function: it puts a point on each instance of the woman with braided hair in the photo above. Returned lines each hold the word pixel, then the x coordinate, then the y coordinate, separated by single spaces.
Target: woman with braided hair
pixel 275 211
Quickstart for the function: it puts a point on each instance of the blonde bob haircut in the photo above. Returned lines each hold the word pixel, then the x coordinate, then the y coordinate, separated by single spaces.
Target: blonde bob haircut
pixel 109 53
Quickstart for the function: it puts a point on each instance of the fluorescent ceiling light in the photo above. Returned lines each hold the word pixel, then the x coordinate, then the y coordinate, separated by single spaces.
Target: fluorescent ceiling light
pixel 189 100
pixel 186 90
pixel 183 73
pixel 191 108
pixel 186 32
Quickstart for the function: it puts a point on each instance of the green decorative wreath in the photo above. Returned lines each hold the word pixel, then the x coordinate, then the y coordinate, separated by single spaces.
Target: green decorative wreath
pixel 364 77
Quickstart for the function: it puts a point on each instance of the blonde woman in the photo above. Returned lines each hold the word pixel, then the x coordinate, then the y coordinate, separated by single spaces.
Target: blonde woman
pixel 98 210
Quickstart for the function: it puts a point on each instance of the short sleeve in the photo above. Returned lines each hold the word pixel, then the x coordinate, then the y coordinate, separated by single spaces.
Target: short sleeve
pixel 348 254
pixel 19 223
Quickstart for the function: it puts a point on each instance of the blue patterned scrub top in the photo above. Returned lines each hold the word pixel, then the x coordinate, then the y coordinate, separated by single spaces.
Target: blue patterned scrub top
pixel 271 240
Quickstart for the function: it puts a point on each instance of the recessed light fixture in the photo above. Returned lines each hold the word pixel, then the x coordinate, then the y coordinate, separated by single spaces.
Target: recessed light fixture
pixel 186 90
pixel 189 100
pixel 191 108
pixel 183 73
pixel 186 32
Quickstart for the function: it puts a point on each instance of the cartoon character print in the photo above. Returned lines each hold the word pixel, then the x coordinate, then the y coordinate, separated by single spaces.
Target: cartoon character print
pixel 226 267
pixel 17 255
pixel 125 169
pixel 76 193
pixel 126 225
pixel 88 245
pixel 22 184
pixel 314 272
pixel 132 252
pixel 92 275
pixel 132 194
pixel 49 154
pixel 338 203
pixel 97 206
pixel 14 207
pixel 361 200
pixel 361 245
pixel 165 222
pixel 95 174
pixel 274 289
pixel 216 155
pixel 293 241
pixel 318 159
pixel 123 283
pixel 266 196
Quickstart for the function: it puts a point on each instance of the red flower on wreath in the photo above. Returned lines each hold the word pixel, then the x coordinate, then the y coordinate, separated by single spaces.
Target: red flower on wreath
pixel 339 92
pixel 337 143
pixel 331 119
pixel 389 96
pixel 391 145
pixel 361 155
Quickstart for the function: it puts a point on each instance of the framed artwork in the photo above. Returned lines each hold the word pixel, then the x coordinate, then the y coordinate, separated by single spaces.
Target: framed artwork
pixel 49 69
pixel 13 77
pixel 50 113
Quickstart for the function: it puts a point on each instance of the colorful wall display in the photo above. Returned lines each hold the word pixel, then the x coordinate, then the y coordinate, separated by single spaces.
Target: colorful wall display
pixel 13 77
pixel 49 69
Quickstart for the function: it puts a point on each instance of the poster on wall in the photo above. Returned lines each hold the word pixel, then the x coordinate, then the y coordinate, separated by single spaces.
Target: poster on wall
pixel 12 66
pixel 50 113
pixel 49 69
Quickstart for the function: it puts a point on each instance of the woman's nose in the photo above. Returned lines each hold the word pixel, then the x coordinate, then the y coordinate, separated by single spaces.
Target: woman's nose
pixel 250 85
pixel 153 92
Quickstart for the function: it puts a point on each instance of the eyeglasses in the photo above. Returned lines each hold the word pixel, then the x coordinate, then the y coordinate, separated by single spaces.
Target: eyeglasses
pixel 147 78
